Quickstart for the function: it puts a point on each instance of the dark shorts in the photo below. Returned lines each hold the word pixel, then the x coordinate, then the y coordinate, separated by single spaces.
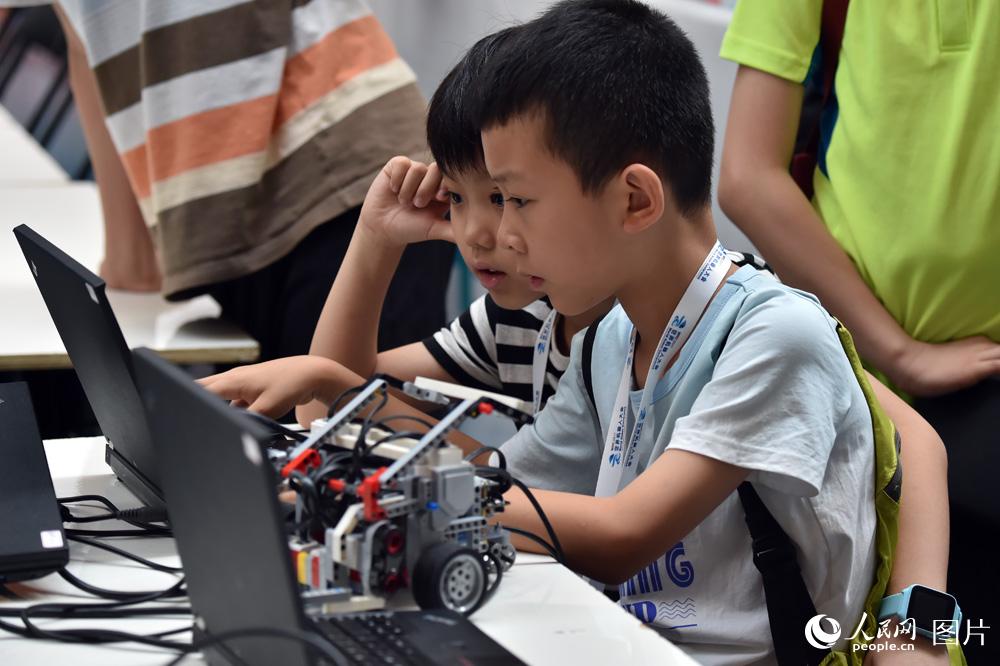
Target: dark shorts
pixel 280 304
pixel 969 423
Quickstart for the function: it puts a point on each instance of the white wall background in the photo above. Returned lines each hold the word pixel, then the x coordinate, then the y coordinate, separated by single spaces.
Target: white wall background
pixel 432 35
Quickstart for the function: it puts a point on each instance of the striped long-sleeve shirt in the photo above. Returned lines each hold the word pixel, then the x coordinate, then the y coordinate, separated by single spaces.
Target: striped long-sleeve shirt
pixel 242 124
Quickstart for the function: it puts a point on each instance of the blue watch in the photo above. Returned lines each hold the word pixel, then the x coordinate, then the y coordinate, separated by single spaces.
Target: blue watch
pixel 932 612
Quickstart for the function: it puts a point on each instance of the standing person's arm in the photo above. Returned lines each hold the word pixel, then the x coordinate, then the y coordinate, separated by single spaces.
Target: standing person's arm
pixel 757 192
pixel 129 256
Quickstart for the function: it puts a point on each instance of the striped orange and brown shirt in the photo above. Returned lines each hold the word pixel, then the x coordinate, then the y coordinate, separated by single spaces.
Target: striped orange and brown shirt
pixel 243 125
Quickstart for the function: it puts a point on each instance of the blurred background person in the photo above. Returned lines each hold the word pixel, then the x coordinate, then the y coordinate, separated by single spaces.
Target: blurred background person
pixel 244 136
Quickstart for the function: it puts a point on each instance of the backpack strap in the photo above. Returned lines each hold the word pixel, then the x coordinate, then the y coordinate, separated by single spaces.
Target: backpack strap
pixel 587 360
pixel 789 606
pixel 818 94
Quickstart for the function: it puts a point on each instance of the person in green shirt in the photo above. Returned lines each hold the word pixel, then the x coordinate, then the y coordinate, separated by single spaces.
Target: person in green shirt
pixel 902 236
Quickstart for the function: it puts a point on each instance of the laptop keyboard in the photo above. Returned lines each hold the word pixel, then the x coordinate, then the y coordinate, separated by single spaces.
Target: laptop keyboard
pixel 369 638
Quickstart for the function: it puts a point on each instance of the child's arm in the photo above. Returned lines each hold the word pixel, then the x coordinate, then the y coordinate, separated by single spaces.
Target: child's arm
pixel 922 549
pixel 610 538
pixel 671 497
pixel 275 387
pixel 404 205
pixel 757 192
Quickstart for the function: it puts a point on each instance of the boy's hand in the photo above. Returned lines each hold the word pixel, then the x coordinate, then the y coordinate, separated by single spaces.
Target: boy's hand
pixel 406 204
pixel 275 387
pixel 925 369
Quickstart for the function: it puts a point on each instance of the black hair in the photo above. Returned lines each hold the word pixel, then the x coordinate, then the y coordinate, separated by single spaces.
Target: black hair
pixel 615 82
pixel 452 117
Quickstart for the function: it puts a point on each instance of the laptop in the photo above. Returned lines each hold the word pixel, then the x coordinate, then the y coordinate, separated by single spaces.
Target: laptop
pixel 79 307
pixel 32 541
pixel 224 511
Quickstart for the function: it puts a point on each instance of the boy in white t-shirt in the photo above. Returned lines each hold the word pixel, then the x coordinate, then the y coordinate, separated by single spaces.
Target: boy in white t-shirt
pixel 704 377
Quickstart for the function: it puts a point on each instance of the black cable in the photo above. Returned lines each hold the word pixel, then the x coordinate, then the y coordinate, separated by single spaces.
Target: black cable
pixel 537 539
pixel 89 636
pixel 328 513
pixel 70 517
pixel 124 553
pixel 92 611
pixel 118 533
pixel 500 477
pixel 392 437
pixel 171 632
pixel 360 444
pixel 93 636
pixel 100 499
pixel 505 479
pixel 482 449
pixel 277 428
pixel 335 405
pixel 310 639
pixel 116 595
pixel 309 494
pixel 545 519
pixel 142 517
pixel 334 465
pixel 403 417
pixel 331 463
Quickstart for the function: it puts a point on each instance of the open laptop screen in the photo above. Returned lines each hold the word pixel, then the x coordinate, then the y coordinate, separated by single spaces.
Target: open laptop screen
pixel 79 307
pixel 220 492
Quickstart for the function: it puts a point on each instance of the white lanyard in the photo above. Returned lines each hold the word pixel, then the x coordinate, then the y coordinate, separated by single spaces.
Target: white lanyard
pixel 620 460
pixel 541 359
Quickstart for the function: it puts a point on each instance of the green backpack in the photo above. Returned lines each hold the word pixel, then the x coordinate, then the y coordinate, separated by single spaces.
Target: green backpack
pixel 888 487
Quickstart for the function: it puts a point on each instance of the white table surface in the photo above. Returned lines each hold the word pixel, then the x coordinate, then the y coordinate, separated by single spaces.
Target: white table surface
pixel 22 159
pixel 70 217
pixel 541 612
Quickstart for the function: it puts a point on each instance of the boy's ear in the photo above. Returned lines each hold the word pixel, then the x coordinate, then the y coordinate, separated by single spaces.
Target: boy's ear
pixel 645 197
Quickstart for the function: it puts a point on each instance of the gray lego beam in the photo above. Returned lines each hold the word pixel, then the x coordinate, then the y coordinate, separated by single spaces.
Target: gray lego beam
pixel 346 413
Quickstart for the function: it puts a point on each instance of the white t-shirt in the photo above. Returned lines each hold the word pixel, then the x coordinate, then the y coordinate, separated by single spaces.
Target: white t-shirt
pixel 763 383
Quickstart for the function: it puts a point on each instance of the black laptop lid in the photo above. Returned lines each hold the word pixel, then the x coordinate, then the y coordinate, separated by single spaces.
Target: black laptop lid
pixel 32 541
pixel 79 307
pixel 221 498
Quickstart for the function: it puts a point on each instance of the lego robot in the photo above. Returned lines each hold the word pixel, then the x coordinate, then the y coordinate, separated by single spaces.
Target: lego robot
pixel 379 510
